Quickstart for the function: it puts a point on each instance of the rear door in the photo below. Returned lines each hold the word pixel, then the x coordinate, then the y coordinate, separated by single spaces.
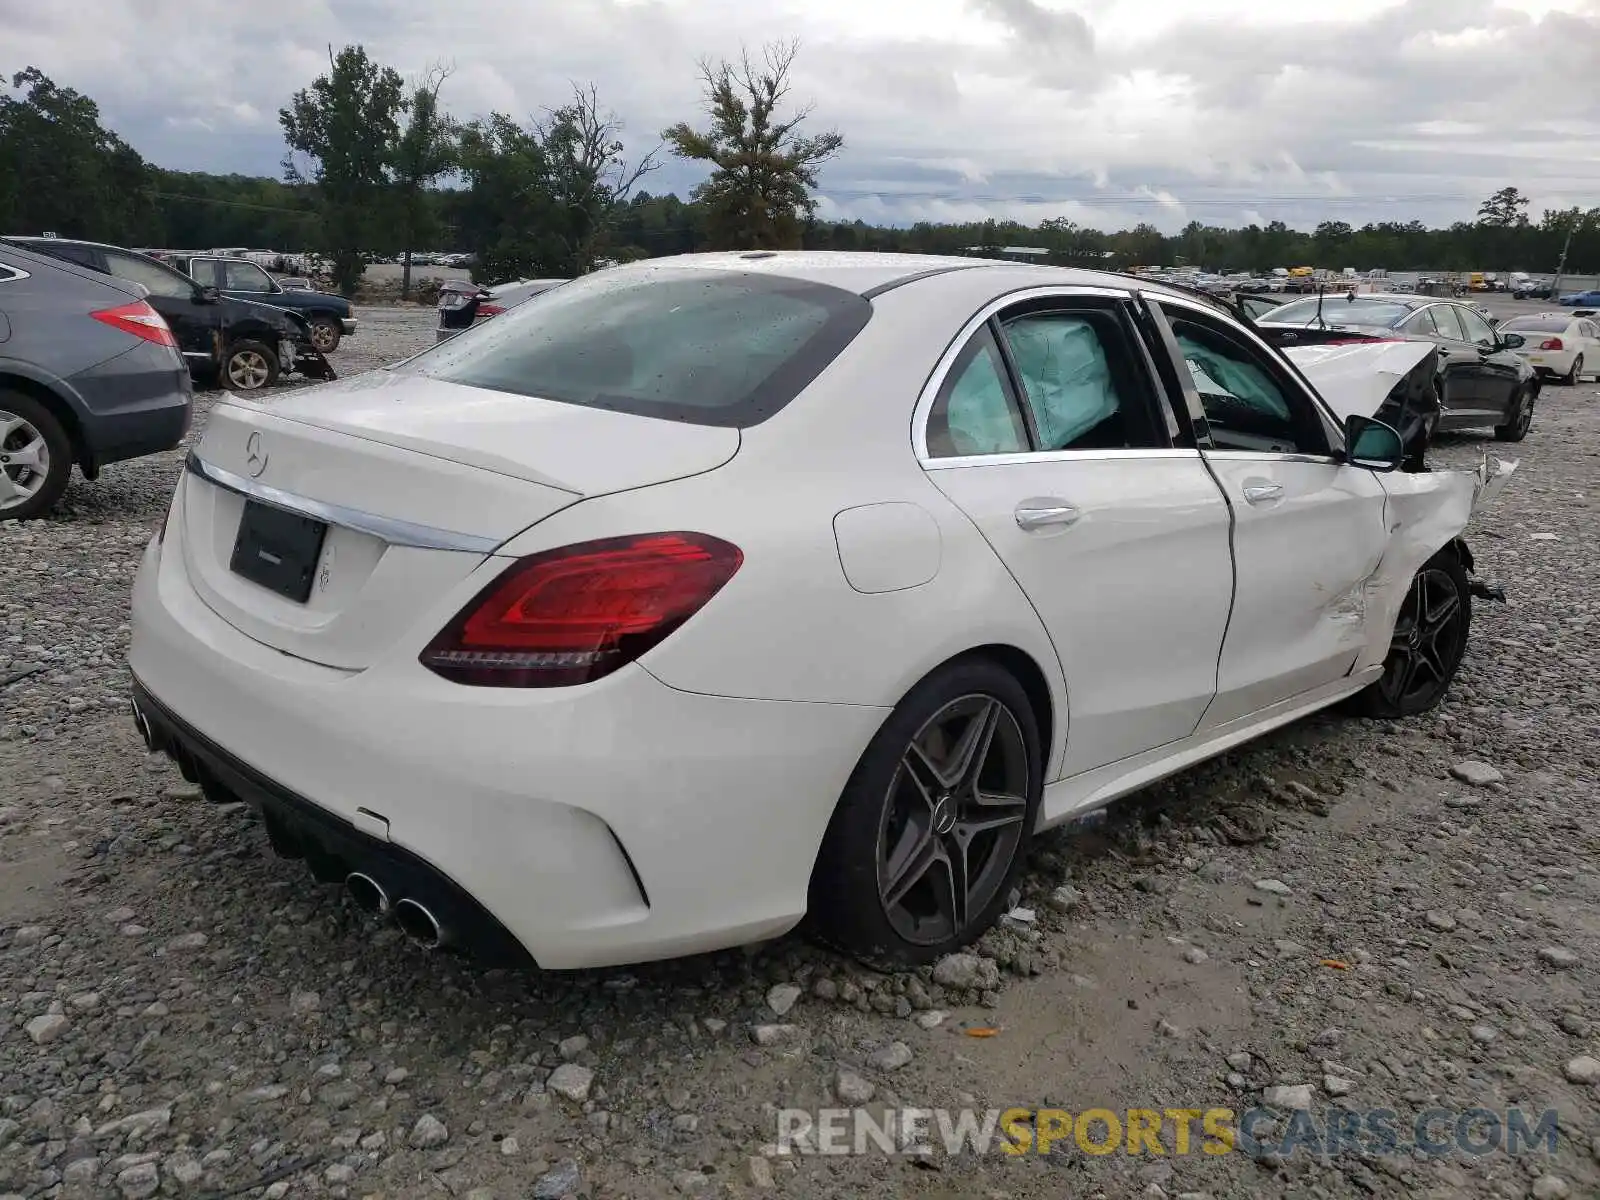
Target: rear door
pixel 1044 425
pixel 1308 530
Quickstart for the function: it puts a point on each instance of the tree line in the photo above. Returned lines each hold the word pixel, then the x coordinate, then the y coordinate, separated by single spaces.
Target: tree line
pixel 374 164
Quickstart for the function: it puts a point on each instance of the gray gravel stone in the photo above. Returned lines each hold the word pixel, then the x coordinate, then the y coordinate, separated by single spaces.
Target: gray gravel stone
pixel 851 1088
pixel 571 1081
pixel 46 1029
pixel 557 1182
pixel 428 1132
pixel 1479 774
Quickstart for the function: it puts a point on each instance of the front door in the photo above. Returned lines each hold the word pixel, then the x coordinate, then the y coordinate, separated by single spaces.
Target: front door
pixel 1308 529
pixel 1044 431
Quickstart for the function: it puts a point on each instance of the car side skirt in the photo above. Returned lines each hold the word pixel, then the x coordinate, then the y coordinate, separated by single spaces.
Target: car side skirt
pixel 1073 797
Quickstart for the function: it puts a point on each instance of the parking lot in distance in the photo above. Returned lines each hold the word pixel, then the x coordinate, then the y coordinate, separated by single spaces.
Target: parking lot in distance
pixel 217 991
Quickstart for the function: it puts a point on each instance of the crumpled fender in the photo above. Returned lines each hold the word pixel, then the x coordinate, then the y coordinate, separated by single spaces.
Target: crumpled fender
pixel 1355 378
pixel 1425 511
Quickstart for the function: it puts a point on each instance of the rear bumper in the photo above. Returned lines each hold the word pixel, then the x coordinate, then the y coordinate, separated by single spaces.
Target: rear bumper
pixel 332 848
pixel 616 822
pixel 134 404
pixel 348 325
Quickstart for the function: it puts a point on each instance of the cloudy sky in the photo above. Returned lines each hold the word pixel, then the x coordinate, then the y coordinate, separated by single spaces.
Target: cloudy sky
pixel 1106 112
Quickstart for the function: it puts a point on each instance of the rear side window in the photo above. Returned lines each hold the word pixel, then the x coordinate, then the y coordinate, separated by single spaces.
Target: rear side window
pixel 975 412
pixel 707 347
pixel 161 281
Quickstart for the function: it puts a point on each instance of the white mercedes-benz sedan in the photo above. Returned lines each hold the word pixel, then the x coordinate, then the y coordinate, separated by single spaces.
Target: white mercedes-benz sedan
pixel 705 595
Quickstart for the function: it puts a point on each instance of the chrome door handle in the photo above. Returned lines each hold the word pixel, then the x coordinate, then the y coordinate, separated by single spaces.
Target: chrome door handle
pixel 1260 493
pixel 1031 516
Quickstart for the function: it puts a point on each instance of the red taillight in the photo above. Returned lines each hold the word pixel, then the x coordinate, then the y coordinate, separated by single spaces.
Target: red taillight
pixel 1552 344
pixel 578 613
pixel 140 320
pixel 489 310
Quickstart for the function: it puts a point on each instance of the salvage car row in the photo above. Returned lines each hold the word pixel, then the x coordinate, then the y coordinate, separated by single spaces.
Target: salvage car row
pixel 98 345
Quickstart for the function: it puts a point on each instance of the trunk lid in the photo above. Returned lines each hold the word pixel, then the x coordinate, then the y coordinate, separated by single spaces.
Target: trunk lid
pixel 416 481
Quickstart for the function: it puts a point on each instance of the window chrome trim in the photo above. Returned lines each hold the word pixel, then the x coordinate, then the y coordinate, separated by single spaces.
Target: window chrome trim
pixel 9 274
pixel 1274 456
pixel 1054 456
pixel 388 529
pixel 930 390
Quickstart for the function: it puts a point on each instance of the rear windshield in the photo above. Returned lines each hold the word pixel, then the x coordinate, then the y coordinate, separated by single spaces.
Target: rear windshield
pixel 1339 310
pixel 1538 324
pixel 703 346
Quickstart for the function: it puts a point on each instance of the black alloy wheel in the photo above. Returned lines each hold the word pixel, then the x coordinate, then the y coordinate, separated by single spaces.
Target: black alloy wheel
pixel 1519 417
pixel 931 832
pixel 1428 643
pixel 952 820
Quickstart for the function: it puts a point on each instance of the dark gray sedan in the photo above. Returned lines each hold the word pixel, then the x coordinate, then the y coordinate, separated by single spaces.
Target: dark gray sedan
pixel 89 374
pixel 1479 378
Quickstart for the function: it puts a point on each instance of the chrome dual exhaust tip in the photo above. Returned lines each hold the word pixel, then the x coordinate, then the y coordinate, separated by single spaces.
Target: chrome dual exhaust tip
pixel 419 924
pixel 367 892
pixel 143 725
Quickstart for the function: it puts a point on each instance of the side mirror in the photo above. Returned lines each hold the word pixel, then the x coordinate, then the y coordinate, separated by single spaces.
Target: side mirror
pixel 1512 341
pixel 210 295
pixel 1372 444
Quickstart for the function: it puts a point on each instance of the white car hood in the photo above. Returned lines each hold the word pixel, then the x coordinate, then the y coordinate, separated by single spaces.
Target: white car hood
pixel 1356 377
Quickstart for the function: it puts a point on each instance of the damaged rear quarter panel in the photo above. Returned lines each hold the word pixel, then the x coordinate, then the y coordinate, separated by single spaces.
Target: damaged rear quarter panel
pixel 1423 511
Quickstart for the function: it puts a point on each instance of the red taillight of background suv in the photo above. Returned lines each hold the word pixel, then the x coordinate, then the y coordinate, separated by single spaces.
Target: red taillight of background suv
pixel 140 320
pixel 1552 344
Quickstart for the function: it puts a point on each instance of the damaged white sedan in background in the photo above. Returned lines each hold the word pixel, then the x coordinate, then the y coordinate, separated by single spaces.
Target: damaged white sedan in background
pixel 703 595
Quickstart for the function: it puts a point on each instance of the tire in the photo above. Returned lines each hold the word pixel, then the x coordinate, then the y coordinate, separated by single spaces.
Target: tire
pixel 1571 377
pixel 1440 587
pixel 1521 418
pixel 325 334
pixel 912 834
pixel 35 457
pixel 249 367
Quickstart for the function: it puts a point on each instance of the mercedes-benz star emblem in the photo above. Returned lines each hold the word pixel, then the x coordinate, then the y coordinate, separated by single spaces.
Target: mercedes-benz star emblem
pixel 255 458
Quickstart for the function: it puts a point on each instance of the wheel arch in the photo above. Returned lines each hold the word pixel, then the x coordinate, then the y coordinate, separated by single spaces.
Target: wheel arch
pixel 61 409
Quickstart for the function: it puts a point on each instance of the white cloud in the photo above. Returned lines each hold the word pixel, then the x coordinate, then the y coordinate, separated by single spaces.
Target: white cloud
pixel 1104 111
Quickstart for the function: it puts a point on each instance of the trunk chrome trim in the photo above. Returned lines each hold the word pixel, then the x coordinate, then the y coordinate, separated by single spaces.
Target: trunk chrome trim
pixel 394 532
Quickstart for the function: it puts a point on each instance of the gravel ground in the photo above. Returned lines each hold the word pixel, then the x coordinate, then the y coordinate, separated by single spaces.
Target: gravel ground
pixel 183 1014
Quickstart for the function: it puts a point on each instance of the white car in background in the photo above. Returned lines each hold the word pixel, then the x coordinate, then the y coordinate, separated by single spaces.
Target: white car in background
pixel 1560 344
pixel 708 594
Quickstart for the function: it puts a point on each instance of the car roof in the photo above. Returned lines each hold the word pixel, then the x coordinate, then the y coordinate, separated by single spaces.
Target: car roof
pixel 36 261
pixel 868 273
pixel 35 240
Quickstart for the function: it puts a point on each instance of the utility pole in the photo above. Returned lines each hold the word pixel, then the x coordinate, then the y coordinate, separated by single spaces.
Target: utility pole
pixel 1555 286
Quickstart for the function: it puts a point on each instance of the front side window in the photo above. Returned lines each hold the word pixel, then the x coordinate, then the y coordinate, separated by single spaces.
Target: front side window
pixel 1477 329
pixel 1066 374
pixel 245 277
pixel 1245 406
pixel 975 412
pixel 159 280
